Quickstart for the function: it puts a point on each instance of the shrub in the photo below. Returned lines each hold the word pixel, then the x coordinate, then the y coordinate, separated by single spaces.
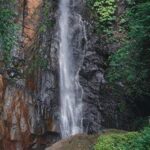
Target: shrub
pixel 104 10
pixel 114 141
pixel 125 141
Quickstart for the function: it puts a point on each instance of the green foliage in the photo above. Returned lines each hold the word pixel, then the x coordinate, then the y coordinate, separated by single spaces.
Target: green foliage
pixel 105 12
pixel 7 28
pixel 114 141
pixel 125 141
pixel 131 63
pixel 141 142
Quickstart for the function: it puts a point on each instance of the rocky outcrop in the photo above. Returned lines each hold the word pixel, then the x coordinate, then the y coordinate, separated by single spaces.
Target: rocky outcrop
pixel 32 11
pixel 26 91
pixel 103 107
pixel 78 142
pixel 22 119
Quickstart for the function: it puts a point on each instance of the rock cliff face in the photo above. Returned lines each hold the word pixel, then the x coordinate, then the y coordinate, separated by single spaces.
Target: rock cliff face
pixel 29 104
pixel 25 97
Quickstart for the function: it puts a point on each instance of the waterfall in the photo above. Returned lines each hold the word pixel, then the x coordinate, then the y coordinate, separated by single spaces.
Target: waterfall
pixel 71 35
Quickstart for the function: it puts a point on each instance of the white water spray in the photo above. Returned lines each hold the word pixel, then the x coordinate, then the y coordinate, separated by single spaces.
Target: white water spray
pixel 70 90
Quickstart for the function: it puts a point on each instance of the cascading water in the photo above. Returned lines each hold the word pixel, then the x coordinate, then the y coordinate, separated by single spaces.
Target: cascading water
pixel 72 35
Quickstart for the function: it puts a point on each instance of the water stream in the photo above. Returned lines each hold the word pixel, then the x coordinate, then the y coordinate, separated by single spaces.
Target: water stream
pixel 71 36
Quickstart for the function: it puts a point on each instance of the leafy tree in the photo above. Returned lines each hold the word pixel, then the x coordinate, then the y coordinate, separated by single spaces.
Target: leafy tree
pixel 131 63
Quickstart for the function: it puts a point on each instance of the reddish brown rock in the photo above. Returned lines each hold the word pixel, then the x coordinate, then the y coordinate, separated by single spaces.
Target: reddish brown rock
pixel 16 118
pixel 19 111
pixel 2 87
pixel 31 19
